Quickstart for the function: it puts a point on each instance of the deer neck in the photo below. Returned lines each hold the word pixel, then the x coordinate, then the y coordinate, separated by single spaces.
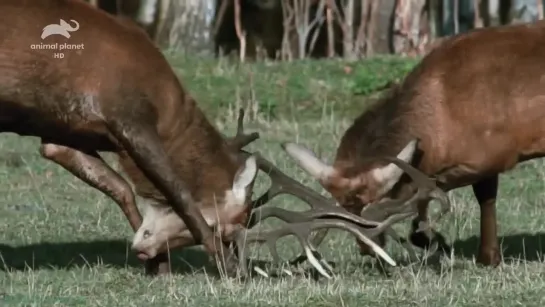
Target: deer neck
pixel 381 130
pixel 197 151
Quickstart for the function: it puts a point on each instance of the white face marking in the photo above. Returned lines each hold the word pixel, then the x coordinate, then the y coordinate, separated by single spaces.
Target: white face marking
pixel 161 224
pixel 390 174
pixel 242 181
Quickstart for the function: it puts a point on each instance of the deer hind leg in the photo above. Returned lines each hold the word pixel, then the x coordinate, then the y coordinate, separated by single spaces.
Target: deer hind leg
pixel 486 191
pixel 94 171
pixel 142 143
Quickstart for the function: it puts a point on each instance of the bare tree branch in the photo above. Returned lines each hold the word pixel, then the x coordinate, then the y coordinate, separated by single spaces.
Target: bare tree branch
pixel 372 23
pixel 330 33
pixel 362 28
pixel 241 34
pixel 288 16
pixel 477 18
pixel 164 6
pixel 317 24
pixel 219 18
pixel 347 26
pixel 303 24
pixel 456 16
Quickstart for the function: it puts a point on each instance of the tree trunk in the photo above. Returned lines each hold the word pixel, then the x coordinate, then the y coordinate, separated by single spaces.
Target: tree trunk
pixel 381 40
pixel 407 26
pixel 186 25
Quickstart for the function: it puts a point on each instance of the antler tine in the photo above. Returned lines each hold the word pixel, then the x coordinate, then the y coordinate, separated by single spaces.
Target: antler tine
pixel 282 183
pixel 321 207
pixel 302 232
pixel 427 186
pixel 397 210
pixel 419 177
pixel 323 215
pixel 241 139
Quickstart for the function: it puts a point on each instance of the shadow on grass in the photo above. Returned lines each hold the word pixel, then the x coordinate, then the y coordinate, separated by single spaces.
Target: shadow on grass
pixel 117 254
pixel 525 246
pixel 112 253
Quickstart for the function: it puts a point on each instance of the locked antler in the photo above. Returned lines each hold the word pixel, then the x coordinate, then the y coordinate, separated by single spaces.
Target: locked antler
pixel 324 213
pixel 427 189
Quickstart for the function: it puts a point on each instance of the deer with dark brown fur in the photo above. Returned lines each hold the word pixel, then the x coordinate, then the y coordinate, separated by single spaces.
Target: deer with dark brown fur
pixel 476 103
pixel 118 94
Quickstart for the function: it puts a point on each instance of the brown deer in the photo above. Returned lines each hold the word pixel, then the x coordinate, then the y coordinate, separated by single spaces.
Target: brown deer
pixel 476 103
pixel 113 91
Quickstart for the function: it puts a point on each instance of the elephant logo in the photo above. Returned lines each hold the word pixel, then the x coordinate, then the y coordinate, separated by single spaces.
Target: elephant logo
pixel 63 28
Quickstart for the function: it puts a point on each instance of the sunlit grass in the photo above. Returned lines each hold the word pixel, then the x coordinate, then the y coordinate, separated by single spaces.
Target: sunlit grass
pixel 65 244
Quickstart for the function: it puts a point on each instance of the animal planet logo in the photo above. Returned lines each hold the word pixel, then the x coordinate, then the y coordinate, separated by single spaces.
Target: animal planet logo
pixel 63 28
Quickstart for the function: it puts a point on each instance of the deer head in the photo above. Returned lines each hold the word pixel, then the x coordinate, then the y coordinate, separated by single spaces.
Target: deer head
pixel 353 186
pixel 163 229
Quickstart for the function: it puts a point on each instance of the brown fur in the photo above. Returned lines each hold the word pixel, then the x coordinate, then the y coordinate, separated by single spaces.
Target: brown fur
pixel 118 87
pixel 200 156
pixel 476 102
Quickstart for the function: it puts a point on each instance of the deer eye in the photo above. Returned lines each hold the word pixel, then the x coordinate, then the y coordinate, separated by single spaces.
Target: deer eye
pixel 146 234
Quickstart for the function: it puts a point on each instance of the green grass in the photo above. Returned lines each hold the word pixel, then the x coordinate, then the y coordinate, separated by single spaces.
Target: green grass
pixel 65 244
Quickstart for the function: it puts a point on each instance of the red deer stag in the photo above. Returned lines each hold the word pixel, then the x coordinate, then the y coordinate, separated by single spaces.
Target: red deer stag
pixel 100 96
pixel 476 104
pixel 113 91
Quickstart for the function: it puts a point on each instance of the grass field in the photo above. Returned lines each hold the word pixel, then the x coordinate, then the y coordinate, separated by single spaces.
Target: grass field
pixel 65 244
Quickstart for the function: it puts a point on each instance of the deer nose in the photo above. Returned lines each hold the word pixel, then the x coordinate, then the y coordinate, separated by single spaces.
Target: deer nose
pixel 140 252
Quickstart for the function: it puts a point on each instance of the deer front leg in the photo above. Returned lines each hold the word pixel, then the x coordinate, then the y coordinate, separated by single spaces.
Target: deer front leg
pixel 424 238
pixel 93 170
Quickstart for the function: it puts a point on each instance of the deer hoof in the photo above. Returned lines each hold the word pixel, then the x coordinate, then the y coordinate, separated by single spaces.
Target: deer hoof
pixel 489 256
pixel 227 264
pixel 157 266
pixel 420 239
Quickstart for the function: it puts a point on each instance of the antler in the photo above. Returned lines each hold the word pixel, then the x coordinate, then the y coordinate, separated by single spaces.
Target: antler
pixel 427 189
pixel 373 220
pixel 241 139
pixel 324 213
pixel 300 224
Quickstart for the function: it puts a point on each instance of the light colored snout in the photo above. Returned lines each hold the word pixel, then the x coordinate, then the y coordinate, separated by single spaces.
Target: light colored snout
pixel 143 246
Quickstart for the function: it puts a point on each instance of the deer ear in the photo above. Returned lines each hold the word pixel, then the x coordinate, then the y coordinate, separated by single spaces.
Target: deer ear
pixel 308 161
pixel 390 174
pixel 244 177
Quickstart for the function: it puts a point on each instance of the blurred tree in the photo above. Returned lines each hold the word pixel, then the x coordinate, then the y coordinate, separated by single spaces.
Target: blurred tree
pixel 185 25
pixel 316 28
